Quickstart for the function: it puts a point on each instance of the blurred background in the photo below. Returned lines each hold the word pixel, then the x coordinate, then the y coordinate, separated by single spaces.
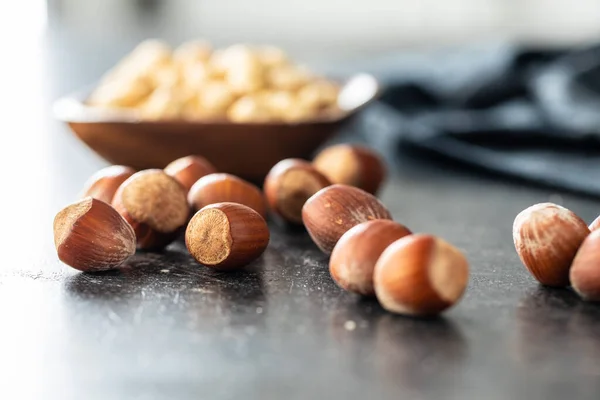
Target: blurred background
pixel 53 47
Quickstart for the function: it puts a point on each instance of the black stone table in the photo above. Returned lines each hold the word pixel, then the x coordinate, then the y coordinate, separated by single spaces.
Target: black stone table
pixel 164 327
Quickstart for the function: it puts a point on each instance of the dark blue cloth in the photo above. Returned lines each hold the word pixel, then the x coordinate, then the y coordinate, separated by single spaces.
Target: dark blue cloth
pixel 532 115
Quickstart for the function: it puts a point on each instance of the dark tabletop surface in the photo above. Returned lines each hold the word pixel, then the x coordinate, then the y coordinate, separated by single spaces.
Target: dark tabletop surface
pixel 166 328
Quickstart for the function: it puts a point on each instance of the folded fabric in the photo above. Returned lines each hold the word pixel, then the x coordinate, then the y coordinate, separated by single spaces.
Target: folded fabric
pixel 529 114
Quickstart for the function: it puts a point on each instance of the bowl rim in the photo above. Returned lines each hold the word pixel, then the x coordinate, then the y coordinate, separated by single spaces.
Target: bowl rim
pixel 72 108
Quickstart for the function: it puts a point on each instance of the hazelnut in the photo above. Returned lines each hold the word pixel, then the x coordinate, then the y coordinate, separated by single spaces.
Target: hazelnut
pixel 155 205
pixel 595 224
pixel 220 188
pixel 585 270
pixel 332 211
pixel 354 256
pixel 420 275
pixel 547 237
pixel 192 52
pixel 289 184
pixel 90 235
pixel 249 109
pixel 104 184
pixel 226 236
pixel 187 170
pixel 352 165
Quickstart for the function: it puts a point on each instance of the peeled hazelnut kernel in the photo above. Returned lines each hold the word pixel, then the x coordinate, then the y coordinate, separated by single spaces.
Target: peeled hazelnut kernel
pixel 332 211
pixel 248 109
pixel 104 183
pixel 318 94
pixel 595 224
pixel 221 188
pixel 155 205
pixel 121 93
pixel 289 184
pixel 420 275
pixel 214 98
pixel 166 102
pixel 187 170
pixel 192 52
pixel 226 236
pixel 287 77
pixel 547 237
pixel 90 235
pixel 585 270
pixel 352 165
pixel 278 102
pixel 354 256
pixel 271 56
pixel 245 78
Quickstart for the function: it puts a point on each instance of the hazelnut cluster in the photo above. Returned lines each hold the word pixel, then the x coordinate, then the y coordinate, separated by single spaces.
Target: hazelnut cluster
pixel 239 83
pixel 559 249
pixel 333 197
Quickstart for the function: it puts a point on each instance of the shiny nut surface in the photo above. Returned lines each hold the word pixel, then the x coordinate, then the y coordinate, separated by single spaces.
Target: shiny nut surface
pixel 420 275
pixel 332 211
pixel 90 235
pixel 104 184
pixel 547 237
pixel 187 170
pixel 354 256
pixel 220 188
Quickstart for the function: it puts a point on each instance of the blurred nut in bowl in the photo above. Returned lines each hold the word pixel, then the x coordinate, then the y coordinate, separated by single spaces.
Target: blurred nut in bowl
pixel 91 236
pixel 194 83
pixel 214 98
pixel 226 236
pixel 334 210
pixel 352 165
pixel 277 102
pixel 585 271
pixel 155 205
pixel 289 184
pixel 318 94
pixel 221 188
pixel 164 103
pixel 547 237
pixel 187 170
pixel 248 109
pixel 104 184
pixel 192 52
pixel 271 56
pixel 420 275
pixel 121 93
pixel 354 256
pixel 287 77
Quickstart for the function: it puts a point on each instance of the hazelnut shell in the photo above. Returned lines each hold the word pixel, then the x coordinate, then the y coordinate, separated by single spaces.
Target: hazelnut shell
pixel 420 275
pixel 289 184
pixel 354 256
pixel 585 270
pixel 155 205
pixel 90 236
pixel 547 237
pixel 219 188
pixel 187 170
pixel 226 236
pixel 352 165
pixel 104 184
pixel 334 210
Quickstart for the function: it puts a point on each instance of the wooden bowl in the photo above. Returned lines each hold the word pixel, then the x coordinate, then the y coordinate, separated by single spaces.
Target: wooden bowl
pixel 248 150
